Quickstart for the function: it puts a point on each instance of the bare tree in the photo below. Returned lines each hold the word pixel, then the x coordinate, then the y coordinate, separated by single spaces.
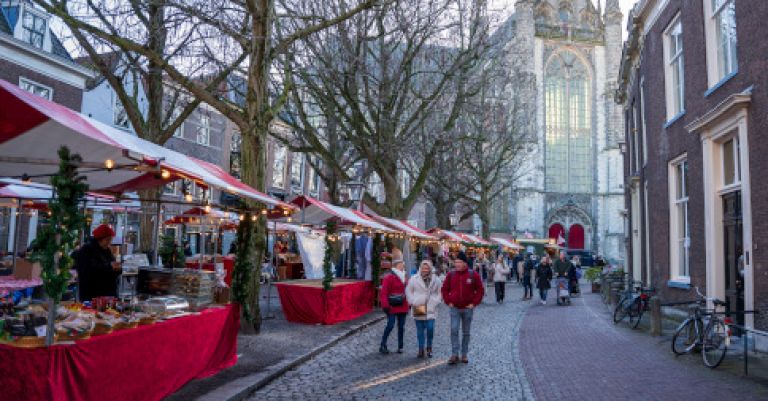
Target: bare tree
pixel 381 76
pixel 251 38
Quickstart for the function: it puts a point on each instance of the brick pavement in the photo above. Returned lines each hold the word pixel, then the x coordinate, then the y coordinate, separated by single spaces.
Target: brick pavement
pixel 577 353
pixel 354 370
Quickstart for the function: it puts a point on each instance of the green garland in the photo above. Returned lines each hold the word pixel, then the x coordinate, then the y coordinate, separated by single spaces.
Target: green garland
pixel 330 229
pixel 376 260
pixel 56 240
pixel 243 270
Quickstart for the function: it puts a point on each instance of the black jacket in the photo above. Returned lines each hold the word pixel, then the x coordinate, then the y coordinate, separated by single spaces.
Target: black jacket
pixel 544 276
pixel 94 270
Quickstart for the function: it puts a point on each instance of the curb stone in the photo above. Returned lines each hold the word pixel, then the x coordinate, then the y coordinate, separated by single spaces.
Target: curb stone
pixel 238 390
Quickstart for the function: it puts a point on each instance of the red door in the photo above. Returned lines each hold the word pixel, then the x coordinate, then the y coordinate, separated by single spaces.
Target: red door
pixel 556 230
pixel 576 237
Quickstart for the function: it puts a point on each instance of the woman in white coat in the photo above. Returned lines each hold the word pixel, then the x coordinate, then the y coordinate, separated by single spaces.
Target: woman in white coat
pixel 500 273
pixel 423 294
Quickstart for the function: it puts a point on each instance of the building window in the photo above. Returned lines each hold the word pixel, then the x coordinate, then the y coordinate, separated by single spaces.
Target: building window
pixel 731 162
pixel 721 39
pixel 179 132
pixel 120 116
pixel 204 130
pixel 234 155
pixel 679 229
pixel 297 173
pixel 674 70
pixel 36 88
pixel 33 29
pixel 568 119
pixel 278 167
pixel 314 182
pixel 635 141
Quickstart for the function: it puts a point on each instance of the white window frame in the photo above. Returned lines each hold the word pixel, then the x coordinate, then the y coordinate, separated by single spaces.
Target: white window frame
pixel 171 188
pixel 179 132
pixel 26 32
pixel 675 96
pixel 203 132
pixel 716 74
pixel 644 132
pixel 279 166
pixel 300 157
pixel 635 140
pixel 736 157
pixel 26 83
pixel 678 241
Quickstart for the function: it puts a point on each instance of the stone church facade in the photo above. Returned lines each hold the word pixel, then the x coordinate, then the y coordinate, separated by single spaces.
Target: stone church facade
pixel 565 55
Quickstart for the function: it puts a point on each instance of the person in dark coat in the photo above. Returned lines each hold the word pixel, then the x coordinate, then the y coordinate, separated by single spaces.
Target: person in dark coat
pixel 528 268
pixel 544 277
pixel 97 270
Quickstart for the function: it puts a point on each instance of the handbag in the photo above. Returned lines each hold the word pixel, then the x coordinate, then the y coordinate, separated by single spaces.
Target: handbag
pixel 420 310
pixel 396 299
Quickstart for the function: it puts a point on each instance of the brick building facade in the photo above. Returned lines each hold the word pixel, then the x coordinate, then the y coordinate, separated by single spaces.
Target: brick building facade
pixel 691 86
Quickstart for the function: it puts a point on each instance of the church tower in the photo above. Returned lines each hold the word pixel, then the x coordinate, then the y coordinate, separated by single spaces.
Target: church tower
pixel 566 55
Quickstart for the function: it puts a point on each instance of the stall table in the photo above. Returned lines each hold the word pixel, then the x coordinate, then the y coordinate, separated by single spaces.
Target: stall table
pixel 146 363
pixel 305 301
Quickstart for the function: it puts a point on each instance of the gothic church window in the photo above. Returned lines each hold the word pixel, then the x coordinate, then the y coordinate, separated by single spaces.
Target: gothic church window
pixel 568 119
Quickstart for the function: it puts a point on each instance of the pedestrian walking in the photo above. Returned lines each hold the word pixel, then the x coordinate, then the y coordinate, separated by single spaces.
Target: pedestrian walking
pixel 394 303
pixel 462 290
pixel 500 273
pixel 528 269
pixel 423 294
pixel 543 278
pixel 562 269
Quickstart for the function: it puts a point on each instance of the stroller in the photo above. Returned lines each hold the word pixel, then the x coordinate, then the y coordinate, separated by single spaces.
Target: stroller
pixel 563 293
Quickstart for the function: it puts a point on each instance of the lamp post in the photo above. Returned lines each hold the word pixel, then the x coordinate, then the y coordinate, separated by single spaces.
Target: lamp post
pixel 356 190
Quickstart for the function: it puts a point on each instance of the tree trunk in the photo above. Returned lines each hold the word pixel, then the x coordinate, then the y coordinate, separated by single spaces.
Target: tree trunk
pixel 483 210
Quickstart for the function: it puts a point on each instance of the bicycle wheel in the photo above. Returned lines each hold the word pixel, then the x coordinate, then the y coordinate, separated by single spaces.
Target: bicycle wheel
pixel 620 312
pixel 686 335
pixel 715 343
pixel 635 313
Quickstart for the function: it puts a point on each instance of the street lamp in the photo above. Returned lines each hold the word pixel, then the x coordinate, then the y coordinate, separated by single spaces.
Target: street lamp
pixel 356 189
pixel 454 219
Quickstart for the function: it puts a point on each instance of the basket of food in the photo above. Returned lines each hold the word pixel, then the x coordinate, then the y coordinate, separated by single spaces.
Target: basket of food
pixel 76 326
pixel 30 341
pixel 101 328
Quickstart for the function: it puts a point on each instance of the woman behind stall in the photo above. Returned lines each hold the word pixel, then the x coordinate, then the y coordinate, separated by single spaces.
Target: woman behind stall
pixel 97 270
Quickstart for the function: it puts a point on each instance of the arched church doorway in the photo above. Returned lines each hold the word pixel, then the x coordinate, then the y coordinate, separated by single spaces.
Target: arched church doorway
pixel 556 230
pixel 576 237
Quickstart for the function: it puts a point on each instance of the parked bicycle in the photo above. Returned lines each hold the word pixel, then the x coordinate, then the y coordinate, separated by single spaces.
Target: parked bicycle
pixel 707 329
pixel 633 302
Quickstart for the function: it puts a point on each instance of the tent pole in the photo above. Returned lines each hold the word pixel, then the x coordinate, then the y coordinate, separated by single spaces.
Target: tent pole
pixel 269 314
pixel 16 217
pixel 156 235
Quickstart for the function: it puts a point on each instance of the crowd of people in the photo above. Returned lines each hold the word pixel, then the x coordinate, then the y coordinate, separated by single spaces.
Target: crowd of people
pixel 460 281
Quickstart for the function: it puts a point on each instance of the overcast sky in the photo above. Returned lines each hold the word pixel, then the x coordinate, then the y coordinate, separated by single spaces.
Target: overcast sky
pixel 626 5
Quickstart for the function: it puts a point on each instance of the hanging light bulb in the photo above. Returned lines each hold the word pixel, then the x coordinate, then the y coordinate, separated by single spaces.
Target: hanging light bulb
pixel 109 164
pixel 242 217
pixel 290 219
pixel 188 197
pixel 286 212
pixel 165 174
pixel 264 211
pixel 207 208
pixel 253 218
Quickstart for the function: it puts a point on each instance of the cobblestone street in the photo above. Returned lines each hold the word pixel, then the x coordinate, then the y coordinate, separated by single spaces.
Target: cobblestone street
pixel 519 351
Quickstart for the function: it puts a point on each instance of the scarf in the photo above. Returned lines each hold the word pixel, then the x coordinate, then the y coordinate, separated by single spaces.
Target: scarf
pixel 427 279
pixel 400 274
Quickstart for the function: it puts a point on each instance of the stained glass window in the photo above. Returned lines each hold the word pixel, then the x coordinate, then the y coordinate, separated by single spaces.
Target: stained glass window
pixel 568 119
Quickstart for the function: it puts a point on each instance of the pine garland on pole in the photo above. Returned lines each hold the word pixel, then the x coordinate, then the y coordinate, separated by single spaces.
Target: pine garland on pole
pixel 352 257
pixel 56 240
pixel 243 269
pixel 376 260
pixel 330 229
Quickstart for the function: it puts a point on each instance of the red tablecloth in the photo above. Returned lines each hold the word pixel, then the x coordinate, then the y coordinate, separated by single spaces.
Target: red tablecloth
pixel 304 301
pixel 146 363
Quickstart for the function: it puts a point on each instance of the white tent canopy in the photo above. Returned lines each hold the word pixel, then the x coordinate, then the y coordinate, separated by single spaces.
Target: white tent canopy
pixel 318 212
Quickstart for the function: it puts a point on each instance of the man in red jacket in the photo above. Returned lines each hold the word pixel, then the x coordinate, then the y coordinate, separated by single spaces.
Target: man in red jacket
pixel 462 291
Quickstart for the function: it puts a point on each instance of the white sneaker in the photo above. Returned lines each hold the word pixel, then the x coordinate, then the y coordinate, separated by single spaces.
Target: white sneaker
pixel 543 302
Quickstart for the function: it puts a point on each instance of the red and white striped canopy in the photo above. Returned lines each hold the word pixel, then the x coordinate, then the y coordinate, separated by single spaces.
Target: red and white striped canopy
pixel 506 243
pixel 32 130
pixel 317 212
pixel 447 235
pixel 476 240
pixel 403 226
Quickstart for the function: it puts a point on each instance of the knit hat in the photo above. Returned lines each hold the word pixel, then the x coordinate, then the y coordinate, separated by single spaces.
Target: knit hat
pixel 463 257
pixel 103 231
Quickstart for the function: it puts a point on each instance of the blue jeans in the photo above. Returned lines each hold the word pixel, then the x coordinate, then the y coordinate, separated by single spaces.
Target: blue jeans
pixel 391 325
pixel 463 317
pixel 421 327
pixel 543 293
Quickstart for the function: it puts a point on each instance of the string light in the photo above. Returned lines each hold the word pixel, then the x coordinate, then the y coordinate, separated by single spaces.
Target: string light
pixel 188 197
pixel 253 218
pixel 264 211
pixel 165 174
pixel 290 219
pixel 242 217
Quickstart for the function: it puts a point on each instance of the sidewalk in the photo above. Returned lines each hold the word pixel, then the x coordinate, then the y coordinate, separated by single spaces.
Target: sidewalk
pixel 576 352
pixel 280 346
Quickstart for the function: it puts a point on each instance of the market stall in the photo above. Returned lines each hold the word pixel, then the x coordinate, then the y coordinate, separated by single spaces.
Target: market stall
pixel 305 301
pixel 140 348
